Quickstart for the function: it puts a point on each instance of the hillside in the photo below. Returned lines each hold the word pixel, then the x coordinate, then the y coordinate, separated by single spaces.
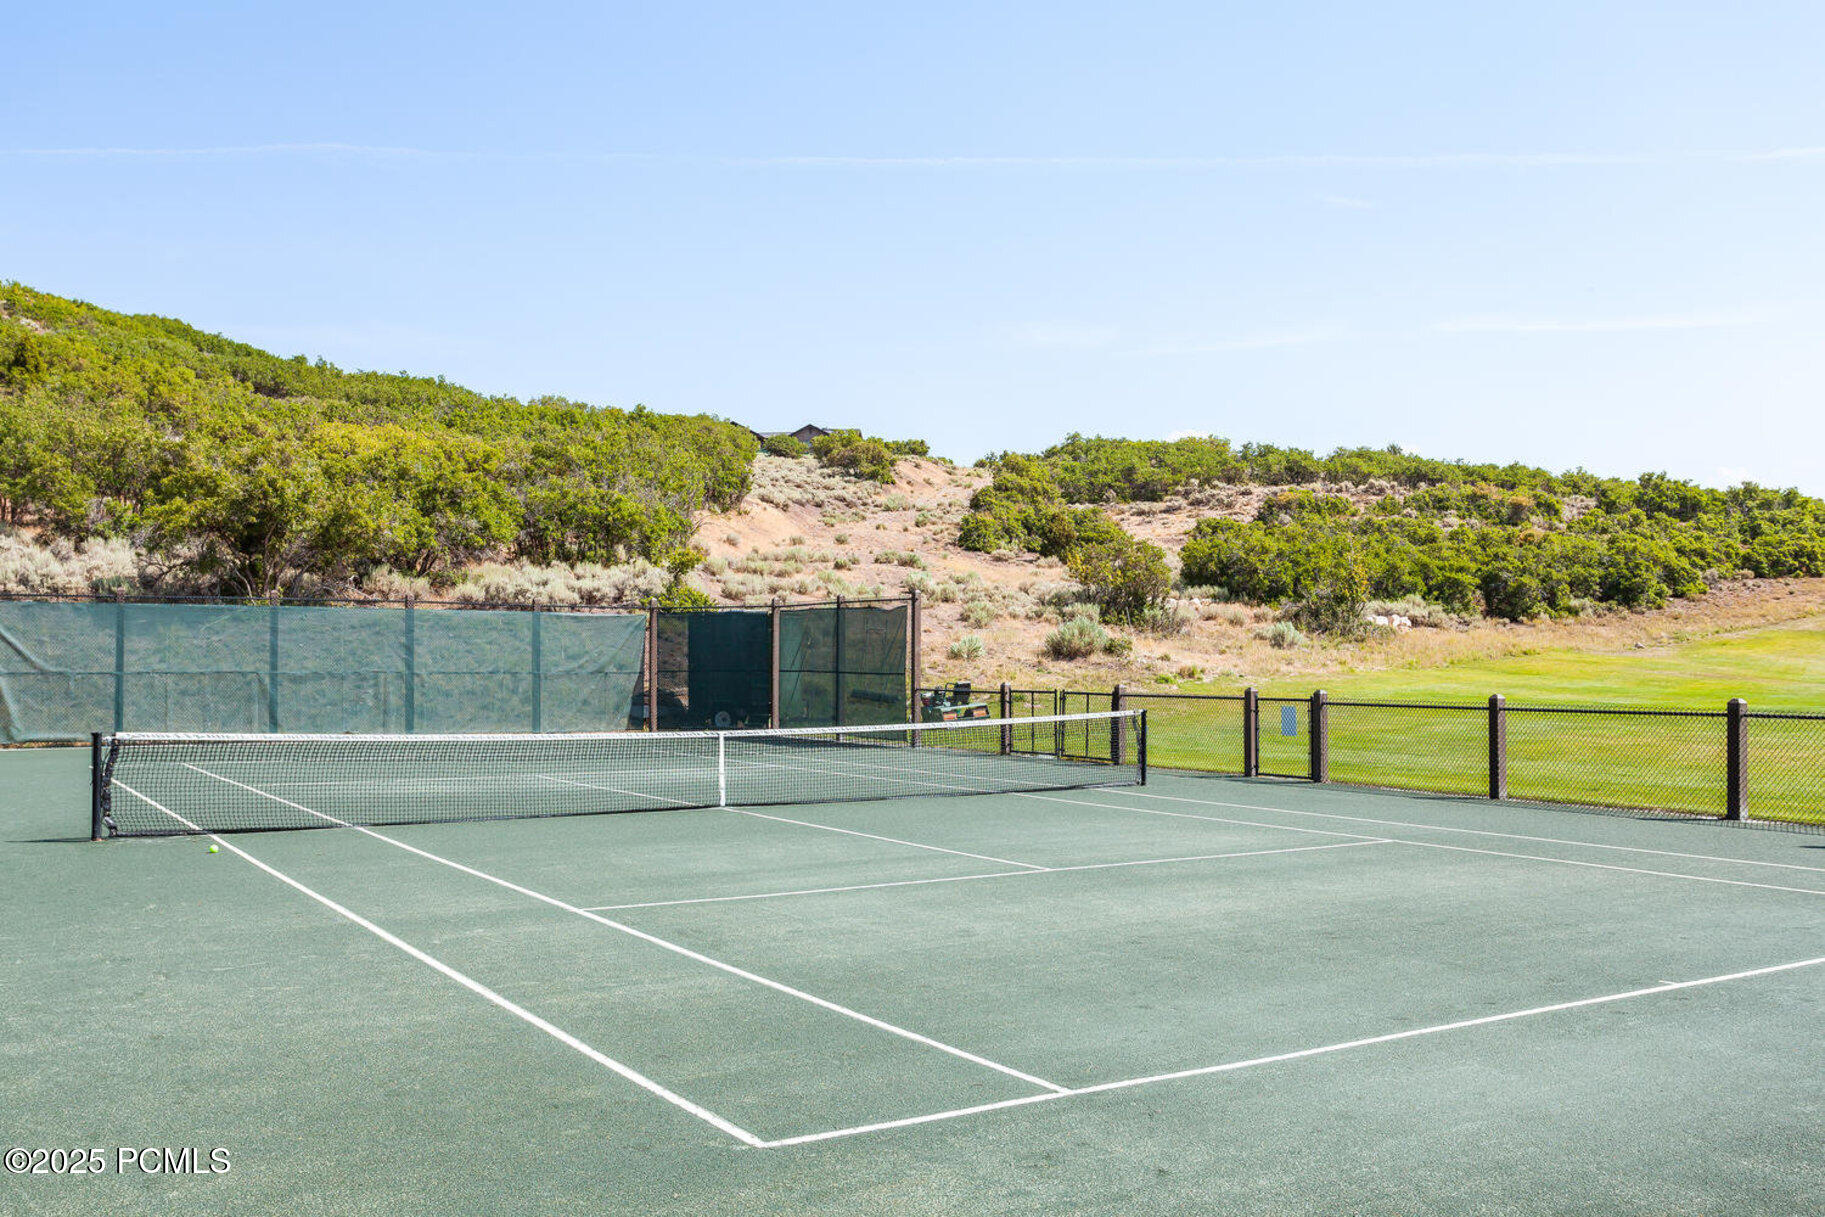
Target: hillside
pixel 223 469
pixel 804 531
pixel 140 454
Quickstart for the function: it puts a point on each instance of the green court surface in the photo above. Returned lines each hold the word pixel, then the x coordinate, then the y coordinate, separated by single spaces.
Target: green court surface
pixel 1201 995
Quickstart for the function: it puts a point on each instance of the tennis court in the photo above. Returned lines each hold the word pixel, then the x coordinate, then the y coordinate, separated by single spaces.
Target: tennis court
pixel 1064 992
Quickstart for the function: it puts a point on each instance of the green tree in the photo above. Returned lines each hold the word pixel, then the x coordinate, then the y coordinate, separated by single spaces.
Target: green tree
pixel 1124 576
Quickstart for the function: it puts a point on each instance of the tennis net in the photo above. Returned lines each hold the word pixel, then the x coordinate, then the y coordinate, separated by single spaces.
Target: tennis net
pixel 160 784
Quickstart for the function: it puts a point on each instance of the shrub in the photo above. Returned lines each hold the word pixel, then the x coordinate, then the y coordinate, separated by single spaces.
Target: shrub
pixel 1077 638
pixel 978 613
pixel 1124 576
pixel 1335 591
pixel 967 647
pixel 849 452
pixel 1159 620
pixel 783 445
pixel 1282 635
pixel 899 557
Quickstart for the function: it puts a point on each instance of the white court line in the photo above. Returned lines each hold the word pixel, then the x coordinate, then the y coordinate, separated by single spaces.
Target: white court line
pixel 1003 874
pixel 1233 1066
pixel 1466 849
pixel 1479 832
pixel 475 986
pixel 850 832
pixel 638 794
pixel 675 948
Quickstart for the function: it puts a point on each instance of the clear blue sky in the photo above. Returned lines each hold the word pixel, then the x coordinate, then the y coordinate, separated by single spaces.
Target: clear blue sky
pixel 1568 233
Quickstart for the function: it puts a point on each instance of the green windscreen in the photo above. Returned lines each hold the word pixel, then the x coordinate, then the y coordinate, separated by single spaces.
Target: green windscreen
pixel 715 669
pixel 67 669
pixel 843 666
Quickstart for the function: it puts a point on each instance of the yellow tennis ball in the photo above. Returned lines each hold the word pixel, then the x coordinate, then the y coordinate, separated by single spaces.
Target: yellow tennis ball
pixel 215 849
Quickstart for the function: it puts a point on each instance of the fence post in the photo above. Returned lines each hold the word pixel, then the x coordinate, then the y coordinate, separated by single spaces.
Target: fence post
pixel 1736 760
pixel 913 653
pixel 1251 732
pixel 1498 746
pixel 120 661
pixel 1119 725
pixel 411 665
pixel 1007 712
pixel 773 719
pixel 538 671
pixel 1320 732
pixel 652 666
pixel 272 663
pixel 836 678
pixel 95 786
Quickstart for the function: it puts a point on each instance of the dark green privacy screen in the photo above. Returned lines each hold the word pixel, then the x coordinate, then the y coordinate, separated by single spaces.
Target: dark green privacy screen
pixel 842 666
pixel 837 666
pixel 67 669
pixel 715 669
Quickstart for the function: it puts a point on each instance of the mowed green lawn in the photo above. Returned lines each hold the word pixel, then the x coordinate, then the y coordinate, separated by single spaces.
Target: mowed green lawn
pixel 1674 763
pixel 1779 668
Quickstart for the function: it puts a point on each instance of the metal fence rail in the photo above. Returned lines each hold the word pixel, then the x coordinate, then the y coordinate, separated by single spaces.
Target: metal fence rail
pixel 1733 763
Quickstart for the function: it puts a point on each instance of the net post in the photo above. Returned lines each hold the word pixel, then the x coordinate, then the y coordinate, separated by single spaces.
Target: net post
pixel 1498 746
pixel 1140 746
pixel 1320 732
pixel 1736 760
pixel 1006 712
pixel 1251 732
pixel 272 663
pixel 538 671
pixel 722 770
pixel 652 666
pixel 120 661
pixel 95 778
pixel 773 718
pixel 1119 724
pixel 411 663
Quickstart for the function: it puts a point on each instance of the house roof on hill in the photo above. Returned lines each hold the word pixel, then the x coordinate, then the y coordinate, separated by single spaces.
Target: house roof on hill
pixel 803 435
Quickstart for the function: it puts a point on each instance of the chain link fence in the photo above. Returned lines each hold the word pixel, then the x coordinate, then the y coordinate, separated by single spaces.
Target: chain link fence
pixel 1731 764
pixel 1191 731
pixel 1410 745
pixel 1786 767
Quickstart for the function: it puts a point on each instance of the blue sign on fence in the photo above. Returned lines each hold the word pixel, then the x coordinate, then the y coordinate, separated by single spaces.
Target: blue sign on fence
pixel 1289 720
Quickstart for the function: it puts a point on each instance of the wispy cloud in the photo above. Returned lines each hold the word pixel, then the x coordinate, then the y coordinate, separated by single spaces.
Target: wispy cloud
pixel 1265 340
pixel 1322 160
pixel 1588 325
pixel 1064 334
pixel 235 150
